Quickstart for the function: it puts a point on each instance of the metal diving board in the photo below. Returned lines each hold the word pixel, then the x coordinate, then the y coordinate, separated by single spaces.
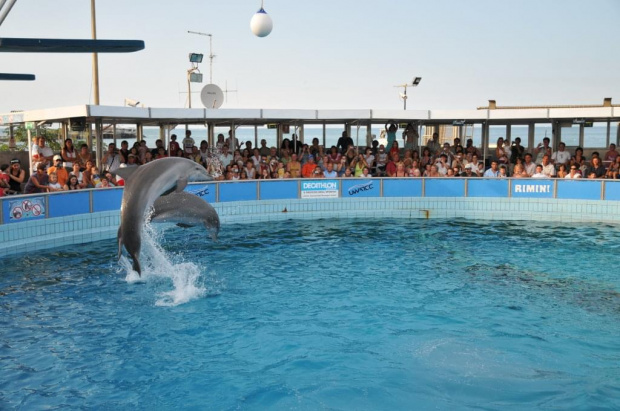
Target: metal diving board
pixel 28 45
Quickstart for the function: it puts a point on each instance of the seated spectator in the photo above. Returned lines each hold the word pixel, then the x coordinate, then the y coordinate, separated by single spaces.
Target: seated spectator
pixel 561 156
pixel 318 172
pixel 72 184
pixel 478 168
pixel 360 163
pixel 173 147
pixel 493 171
pixel 294 166
pixel 308 169
pixel 132 160
pixel 400 170
pixel 538 173
pixel 264 174
pixel 348 173
pixel 61 173
pixel 450 173
pixel 613 171
pixel 17 176
pixel 434 171
pixel 415 172
pixel 611 154
pixel 443 164
pixel 334 155
pixel 37 183
pixel 103 183
pixel 243 175
pixel 5 187
pixel 112 159
pixel 468 171
pixel 519 172
pixel 161 153
pixel 597 168
pixel 114 180
pixel 53 184
pixel 250 170
pixel 95 177
pixel 528 165
pixel 142 150
pixel 574 172
pixel 366 173
pixel 548 168
pixel 562 173
pixel 503 171
pixel 195 156
pixel 390 168
pixel 381 161
pixel 329 171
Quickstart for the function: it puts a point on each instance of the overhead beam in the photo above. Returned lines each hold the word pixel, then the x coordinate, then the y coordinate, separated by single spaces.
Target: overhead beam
pixel 26 45
pixel 16 77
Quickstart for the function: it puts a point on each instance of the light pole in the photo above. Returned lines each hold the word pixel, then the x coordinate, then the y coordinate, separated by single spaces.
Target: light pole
pixel 414 83
pixel 192 76
pixel 211 55
pixel 93 30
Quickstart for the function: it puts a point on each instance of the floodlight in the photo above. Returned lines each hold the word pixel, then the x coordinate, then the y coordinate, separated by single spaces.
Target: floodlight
pixel 416 81
pixel 195 58
pixel 195 77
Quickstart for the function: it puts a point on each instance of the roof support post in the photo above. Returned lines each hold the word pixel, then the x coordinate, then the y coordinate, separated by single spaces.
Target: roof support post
pixel 98 143
pixel 531 134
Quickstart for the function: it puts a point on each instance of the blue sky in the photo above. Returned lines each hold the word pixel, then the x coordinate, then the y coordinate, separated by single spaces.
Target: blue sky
pixel 326 54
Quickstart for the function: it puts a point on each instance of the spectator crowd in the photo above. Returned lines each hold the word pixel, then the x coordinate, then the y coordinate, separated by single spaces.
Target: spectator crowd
pixel 74 169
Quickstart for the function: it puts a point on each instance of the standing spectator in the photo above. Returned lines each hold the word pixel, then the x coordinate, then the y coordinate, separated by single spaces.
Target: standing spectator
pixel 124 151
pixel 84 156
pixel 233 142
pixel 471 149
pixel 188 143
pixel 41 154
pixel 542 149
pixel 112 159
pixel 390 129
pixel 500 152
pixel 344 142
pixel 37 183
pixel 433 145
pixel 614 169
pixel 225 157
pixel 611 154
pixel 68 153
pixel 173 147
pixel 411 137
pixel 517 150
pixel 5 187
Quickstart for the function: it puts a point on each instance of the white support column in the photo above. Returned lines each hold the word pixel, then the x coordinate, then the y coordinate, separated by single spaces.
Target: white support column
pixel 324 134
pixel 531 134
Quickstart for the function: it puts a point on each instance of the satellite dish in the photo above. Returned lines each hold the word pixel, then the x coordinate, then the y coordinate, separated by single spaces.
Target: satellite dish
pixel 212 96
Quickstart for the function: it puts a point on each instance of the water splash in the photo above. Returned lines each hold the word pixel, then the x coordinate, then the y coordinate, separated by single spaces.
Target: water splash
pixel 161 268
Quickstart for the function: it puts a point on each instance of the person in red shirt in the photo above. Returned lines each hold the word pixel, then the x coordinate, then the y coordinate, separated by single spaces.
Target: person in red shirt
pixel 174 146
pixel 390 168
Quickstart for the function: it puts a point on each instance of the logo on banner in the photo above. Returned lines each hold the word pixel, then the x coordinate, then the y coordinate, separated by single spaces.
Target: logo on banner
pixel 532 188
pixel 20 210
pixel 319 189
pixel 359 188
pixel 201 193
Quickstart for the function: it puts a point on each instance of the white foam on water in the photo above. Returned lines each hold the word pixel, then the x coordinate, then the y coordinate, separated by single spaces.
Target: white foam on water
pixel 161 268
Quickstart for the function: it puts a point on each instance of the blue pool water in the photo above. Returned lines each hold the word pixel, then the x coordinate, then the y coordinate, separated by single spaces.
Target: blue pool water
pixel 338 314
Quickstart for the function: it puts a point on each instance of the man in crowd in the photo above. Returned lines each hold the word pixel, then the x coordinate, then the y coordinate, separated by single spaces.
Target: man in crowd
pixel 61 172
pixel 307 171
pixel 548 169
pixel 41 154
pixel 493 171
pixel 529 165
pixel 561 156
pixel 188 143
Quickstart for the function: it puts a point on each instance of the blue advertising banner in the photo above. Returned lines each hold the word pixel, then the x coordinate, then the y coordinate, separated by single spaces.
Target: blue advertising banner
pixel 531 188
pixel 579 189
pixel 107 199
pixel 23 209
pixel 402 187
pixel 238 191
pixel 320 188
pixel 487 187
pixel 68 203
pixel 204 191
pixel 361 187
pixel 278 189
pixel 444 187
pixel 612 190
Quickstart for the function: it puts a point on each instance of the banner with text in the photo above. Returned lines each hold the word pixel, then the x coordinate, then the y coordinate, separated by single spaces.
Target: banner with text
pixel 320 189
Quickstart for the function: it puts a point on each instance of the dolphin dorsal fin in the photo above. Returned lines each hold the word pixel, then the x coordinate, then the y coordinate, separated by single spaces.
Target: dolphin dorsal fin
pixel 126 172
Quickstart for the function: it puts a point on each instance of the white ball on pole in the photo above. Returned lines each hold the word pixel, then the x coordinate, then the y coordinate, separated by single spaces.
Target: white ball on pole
pixel 261 24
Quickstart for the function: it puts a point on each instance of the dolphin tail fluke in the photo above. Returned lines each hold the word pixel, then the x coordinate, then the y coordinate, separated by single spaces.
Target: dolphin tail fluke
pixel 136 265
pixel 120 242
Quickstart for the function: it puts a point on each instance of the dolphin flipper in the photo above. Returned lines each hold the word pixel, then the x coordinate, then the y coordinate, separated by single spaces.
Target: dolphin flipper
pixel 181 184
pixel 119 240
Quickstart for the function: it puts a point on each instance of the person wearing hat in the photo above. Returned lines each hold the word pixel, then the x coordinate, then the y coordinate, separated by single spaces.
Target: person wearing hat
pixel 17 176
pixel 468 171
pixel 307 171
pixel 61 172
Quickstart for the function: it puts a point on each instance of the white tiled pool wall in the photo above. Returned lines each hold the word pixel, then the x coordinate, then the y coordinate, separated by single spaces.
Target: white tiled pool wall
pixel 83 228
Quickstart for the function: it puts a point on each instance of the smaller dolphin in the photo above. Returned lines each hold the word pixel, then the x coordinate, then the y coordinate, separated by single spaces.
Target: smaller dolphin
pixel 186 210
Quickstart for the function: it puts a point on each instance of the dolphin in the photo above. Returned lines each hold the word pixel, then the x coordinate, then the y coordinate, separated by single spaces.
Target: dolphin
pixel 187 210
pixel 143 185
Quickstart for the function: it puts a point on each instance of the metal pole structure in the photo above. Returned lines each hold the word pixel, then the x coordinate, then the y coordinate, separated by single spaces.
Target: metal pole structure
pixel 6 11
pixel 211 55
pixel 405 98
pixel 93 29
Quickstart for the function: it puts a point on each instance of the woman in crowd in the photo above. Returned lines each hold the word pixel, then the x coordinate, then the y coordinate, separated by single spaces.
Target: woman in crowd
pixel 394 149
pixel 500 153
pixel 400 170
pixel 264 175
pixel 427 158
pixel 614 169
pixel 68 153
pixel 562 172
pixel 334 155
pixel 360 163
pixel 72 183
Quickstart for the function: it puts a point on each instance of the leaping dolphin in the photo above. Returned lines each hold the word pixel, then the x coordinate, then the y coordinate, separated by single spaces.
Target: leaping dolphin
pixel 187 210
pixel 143 185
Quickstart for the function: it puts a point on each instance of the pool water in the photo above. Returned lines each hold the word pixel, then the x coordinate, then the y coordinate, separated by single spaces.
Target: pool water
pixel 329 314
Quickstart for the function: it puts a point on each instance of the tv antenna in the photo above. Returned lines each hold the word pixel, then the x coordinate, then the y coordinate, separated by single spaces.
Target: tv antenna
pixel 414 83
pixel 226 91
